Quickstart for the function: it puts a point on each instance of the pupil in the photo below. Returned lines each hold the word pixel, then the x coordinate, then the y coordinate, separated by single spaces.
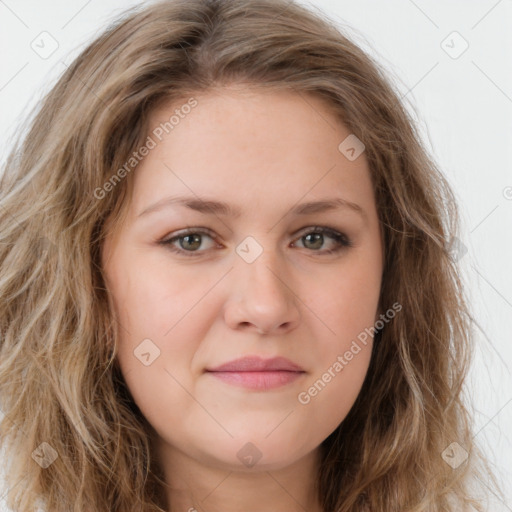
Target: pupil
pixel 318 238
pixel 195 239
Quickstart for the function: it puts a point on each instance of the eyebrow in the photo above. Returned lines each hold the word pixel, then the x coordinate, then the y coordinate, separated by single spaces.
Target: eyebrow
pixel 209 206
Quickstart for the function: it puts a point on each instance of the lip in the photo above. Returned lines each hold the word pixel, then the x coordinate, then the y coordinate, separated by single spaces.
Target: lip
pixel 253 372
pixel 257 364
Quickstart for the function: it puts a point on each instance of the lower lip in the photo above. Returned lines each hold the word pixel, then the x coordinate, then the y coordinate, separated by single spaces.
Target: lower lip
pixel 258 380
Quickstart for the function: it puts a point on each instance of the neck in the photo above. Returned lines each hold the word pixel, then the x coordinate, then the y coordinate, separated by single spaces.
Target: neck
pixel 195 486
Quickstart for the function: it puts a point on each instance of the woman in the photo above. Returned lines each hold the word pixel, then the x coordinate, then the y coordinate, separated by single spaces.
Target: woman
pixel 227 280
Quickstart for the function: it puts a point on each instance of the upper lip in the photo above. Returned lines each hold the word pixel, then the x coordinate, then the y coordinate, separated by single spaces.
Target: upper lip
pixel 256 363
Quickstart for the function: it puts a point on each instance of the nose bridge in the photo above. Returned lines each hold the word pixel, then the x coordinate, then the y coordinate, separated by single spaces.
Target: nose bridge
pixel 260 265
pixel 261 291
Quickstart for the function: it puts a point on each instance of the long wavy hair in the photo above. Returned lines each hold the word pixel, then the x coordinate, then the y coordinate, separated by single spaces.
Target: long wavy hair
pixel 72 436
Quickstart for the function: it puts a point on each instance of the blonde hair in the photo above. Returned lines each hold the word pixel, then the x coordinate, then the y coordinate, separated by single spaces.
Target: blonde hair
pixel 59 380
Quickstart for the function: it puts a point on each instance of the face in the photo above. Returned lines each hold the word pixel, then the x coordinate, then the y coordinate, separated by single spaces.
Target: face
pixel 288 266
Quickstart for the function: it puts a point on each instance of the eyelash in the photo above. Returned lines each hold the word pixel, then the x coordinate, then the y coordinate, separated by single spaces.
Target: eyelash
pixel 341 239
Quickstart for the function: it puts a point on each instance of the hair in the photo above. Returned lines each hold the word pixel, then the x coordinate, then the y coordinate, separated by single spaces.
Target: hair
pixel 60 383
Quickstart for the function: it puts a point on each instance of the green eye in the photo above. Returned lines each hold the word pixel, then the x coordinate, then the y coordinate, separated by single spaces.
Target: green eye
pixel 189 241
pixel 316 237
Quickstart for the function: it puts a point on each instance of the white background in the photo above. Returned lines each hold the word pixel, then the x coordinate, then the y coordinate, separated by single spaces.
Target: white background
pixel 463 106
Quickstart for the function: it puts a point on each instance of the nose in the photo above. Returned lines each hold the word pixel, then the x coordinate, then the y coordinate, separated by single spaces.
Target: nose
pixel 261 296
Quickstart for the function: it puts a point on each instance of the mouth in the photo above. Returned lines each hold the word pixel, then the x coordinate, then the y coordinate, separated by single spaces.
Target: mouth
pixel 253 372
pixel 258 380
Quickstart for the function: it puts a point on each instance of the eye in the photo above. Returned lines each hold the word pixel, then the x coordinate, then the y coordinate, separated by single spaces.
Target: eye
pixel 315 238
pixel 189 241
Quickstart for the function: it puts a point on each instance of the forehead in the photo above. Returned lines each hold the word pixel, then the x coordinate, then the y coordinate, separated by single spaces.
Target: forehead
pixel 249 147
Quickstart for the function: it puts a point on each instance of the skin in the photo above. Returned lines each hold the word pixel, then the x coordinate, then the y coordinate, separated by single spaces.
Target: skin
pixel 262 152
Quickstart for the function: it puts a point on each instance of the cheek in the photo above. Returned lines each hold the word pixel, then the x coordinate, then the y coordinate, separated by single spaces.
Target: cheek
pixel 164 312
pixel 345 303
pixel 342 345
pixel 153 296
pixel 347 307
